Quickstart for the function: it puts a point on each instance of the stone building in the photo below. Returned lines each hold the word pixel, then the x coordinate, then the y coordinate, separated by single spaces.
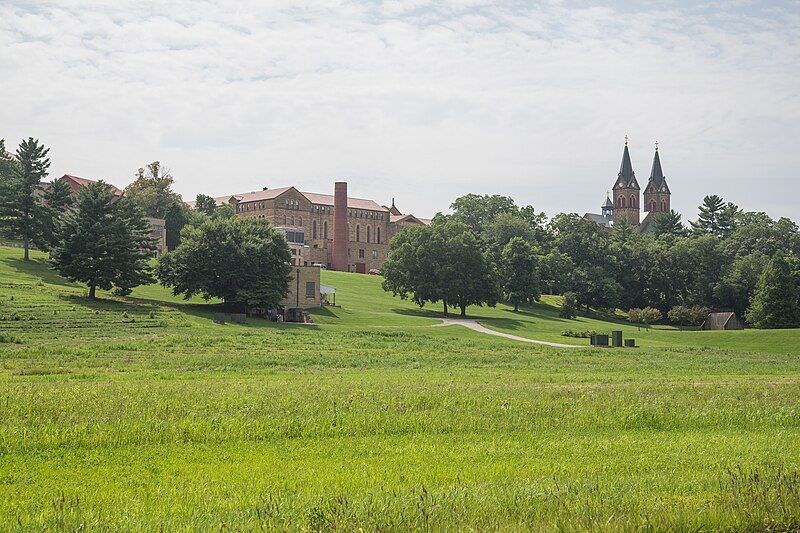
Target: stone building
pixel 310 222
pixel 626 203
pixel 304 288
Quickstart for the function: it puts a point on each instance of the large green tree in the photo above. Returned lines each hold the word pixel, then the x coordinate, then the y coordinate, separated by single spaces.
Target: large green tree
pixel 520 273
pixel 57 199
pixel 669 224
pixel 716 217
pixel 776 302
pixel 152 190
pixel 104 243
pixel 244 261
pixel 205 204
pixel 22 214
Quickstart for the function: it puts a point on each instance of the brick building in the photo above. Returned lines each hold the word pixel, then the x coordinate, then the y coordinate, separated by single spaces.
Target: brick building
pixel 626 203
pixel 310 220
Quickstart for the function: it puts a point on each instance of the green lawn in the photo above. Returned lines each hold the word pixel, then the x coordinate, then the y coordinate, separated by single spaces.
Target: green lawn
pixel 141 414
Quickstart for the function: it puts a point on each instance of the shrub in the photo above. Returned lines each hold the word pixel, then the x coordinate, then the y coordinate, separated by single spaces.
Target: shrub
pixel 9 339
pixel 646 316
pixel 569 309
pixel 681 315
pixel 578 334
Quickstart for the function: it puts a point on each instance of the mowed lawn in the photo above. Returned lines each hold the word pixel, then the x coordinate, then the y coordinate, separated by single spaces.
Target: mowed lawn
pixel 141 414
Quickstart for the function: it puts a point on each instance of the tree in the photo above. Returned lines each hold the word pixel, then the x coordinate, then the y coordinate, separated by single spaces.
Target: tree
pixel 776 302
pixel 646 316
pixel 681 315
pixel 520 273
pixel 152 190
pixel 737 285
pixel 477 211
pixel 668 224
pixel 244 261
pixel 205 204
pixel 716 217
pixel 104 243
pixel 569 307
pixel 175 219
pixel 442 262
pixel 57 199
pixel 556 269
pixel 22 215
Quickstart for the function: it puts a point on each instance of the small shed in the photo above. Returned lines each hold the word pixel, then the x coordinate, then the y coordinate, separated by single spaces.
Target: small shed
pixel 724 320
pixel 326 291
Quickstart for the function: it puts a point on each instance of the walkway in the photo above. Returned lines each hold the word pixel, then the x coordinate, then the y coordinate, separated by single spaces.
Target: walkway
pixel 473 325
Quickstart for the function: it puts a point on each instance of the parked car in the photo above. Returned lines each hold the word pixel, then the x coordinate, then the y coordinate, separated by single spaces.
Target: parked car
pixel 374 272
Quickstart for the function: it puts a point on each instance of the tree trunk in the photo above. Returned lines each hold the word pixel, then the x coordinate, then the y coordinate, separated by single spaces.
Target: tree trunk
pixel 92 292
pixel 445 307
pixel 516 307
pixel 26 245
pixel 463 310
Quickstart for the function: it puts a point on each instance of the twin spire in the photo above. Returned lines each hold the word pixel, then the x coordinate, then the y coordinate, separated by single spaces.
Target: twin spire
pixel 626 168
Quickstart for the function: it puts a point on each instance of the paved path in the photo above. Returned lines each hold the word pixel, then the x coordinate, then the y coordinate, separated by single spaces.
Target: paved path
pixel 473 325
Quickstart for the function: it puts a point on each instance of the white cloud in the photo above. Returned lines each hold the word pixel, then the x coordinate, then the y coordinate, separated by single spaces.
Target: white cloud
pixel 419 101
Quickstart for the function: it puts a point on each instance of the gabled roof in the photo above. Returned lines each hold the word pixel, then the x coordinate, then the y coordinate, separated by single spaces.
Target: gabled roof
pixel 77 182
pixel 409 218
pixel 606 222
pixel 352 203
pixel 608 203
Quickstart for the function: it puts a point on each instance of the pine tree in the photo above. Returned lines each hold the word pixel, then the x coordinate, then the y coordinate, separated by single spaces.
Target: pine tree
pixel 22 215
pixel 776 302
pixel 520 268
pixel 668 224
pixel 716 217
pixel 57 199
pixel 104 243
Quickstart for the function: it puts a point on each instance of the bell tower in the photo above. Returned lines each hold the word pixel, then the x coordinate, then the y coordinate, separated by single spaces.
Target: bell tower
pixel 657 193
pixel 626 191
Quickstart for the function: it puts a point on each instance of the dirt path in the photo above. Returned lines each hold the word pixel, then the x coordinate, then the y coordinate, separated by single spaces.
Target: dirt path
pixel 473 325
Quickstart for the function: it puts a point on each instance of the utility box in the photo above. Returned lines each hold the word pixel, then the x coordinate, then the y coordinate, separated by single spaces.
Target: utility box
pixel 630 343
pixel 616 339
pixel 602 340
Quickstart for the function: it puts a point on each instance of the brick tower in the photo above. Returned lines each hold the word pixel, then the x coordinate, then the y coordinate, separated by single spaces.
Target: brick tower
pixel 341 230
pixel 657 194
pixel 626 191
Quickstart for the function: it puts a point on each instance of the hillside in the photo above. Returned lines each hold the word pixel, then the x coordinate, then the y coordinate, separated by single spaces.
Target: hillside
pixel 373 418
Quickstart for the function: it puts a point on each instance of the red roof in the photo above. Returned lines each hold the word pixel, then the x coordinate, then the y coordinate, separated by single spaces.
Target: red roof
pixel 76 183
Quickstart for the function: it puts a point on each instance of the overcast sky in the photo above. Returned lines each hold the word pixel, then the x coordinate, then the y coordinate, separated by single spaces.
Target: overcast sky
pixel 414 100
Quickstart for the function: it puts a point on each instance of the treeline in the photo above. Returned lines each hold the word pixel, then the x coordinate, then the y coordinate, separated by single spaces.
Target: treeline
pixel 489 249
pixel 104 240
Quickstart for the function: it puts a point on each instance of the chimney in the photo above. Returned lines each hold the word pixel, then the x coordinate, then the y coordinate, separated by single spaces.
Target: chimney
pixel 341 231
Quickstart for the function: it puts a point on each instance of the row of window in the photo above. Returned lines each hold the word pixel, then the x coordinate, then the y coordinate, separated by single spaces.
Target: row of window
pixel 358 213
pixel 362 253
pixel 663 205
pixel 630 203
pixel 369 234
pixel 249 206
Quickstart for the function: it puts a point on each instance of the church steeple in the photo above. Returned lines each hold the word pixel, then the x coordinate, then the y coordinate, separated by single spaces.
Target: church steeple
pixel 626 191
pixel 657 193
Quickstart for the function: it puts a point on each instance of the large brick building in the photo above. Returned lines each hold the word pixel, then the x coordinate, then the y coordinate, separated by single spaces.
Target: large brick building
pixel 626 201
pixel 310 222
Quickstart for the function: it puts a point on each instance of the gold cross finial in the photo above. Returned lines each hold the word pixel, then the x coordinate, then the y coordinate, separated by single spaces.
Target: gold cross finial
pixel 656 146
pixel 626 139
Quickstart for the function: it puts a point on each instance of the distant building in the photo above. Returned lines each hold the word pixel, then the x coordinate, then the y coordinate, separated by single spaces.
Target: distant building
pixel 626 204
pixel 724 320
pixel 336 231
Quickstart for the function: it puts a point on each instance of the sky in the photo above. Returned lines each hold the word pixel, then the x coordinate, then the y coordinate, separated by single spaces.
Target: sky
pixel 418 101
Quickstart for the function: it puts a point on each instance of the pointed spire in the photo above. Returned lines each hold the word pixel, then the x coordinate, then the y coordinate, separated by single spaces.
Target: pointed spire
pixel 608 203
pixel 656 174
pixel 626 168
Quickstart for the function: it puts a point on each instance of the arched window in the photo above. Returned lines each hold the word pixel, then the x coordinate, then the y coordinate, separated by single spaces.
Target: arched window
pixel 652 205
pixel 325 230
pixel 299 221
pixel 378 235
pixel 664 205
pixel 313 229
pixel 358 233
pixel 369 234
pixel 633 201
pixel 621 201
pixel 291 220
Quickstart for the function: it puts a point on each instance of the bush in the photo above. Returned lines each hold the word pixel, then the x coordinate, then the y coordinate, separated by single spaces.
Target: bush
pixel 569 309
pixel 646 316
pixel 578 334
pixel 681 315
pixel 9 339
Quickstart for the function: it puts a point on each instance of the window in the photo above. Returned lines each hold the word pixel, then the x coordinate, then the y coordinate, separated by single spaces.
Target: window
pixel 314 229
pixel 633 201
pixel 291 220
pixel 652 205
pixel 374 254
pixel 361 253
pixel 325 230
pixel 664 205
pixel 311 288
pixel 369 234
pixel 299 221
pixel 378 235
pixel 358 233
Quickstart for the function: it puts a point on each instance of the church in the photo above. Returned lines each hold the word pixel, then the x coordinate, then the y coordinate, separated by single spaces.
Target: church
pixel 626 203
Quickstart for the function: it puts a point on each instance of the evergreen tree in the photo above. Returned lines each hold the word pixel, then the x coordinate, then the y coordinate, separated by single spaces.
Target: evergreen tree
pixel 668 224
pixel 716 217
pixel 244 261
pixel 205 204
pixel 520 267
pixel 57 199
pixel 776 302
pixel 175 219
pixel 22 215
pixel 103 243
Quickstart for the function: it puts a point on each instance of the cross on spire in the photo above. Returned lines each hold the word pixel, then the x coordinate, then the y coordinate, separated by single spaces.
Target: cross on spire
pixel 656 146
pixel 626 139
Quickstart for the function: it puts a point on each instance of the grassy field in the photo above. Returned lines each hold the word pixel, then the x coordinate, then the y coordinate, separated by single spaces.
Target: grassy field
pixel 141 414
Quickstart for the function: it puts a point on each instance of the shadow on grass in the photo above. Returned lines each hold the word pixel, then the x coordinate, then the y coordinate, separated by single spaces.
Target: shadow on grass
pixel 39 268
